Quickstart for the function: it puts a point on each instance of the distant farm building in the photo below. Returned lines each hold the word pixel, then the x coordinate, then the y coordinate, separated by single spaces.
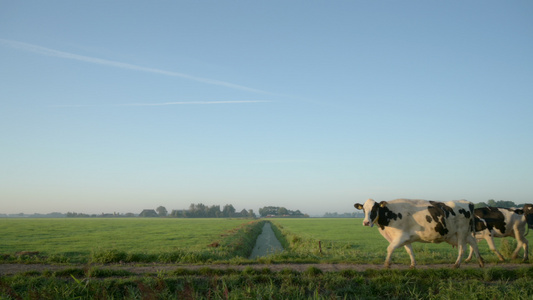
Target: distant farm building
pixel 148 213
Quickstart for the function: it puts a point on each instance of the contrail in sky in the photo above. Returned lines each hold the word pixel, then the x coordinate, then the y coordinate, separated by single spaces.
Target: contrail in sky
pixel 281 161
pixel 193 103
pixel 167 103
pixel 51 52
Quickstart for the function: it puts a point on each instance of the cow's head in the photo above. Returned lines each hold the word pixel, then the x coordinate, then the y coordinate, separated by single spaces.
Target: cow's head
pixel 528 213
pixel 371 211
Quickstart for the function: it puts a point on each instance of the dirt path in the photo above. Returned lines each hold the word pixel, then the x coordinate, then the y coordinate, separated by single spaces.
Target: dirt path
pixel 266 243
pixel 10 269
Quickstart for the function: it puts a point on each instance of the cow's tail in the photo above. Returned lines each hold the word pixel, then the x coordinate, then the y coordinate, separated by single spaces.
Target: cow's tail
pixel 474 221
pixel 479 224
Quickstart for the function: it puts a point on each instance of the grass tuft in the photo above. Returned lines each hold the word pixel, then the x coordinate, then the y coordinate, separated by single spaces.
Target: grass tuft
pixel 313 271
pixel 69 272
pixel 104 273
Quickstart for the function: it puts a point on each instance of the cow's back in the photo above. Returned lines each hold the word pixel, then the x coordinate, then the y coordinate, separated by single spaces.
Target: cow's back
pixel 500 222
pixel 430 221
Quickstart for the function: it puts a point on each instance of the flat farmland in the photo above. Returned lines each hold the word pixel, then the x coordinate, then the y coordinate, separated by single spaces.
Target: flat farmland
pixel 81 237
pixel 187 240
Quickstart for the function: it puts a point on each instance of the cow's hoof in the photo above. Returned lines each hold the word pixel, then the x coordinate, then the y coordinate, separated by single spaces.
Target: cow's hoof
pixel 412 267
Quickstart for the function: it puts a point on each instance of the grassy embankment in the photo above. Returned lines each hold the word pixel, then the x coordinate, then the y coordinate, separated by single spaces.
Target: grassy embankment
pixel 208 283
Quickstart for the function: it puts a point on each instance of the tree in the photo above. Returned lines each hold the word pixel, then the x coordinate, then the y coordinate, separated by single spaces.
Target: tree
pixel 501 203
pixel 202 210
pixel 506 204
pixel 282 211
pixel 279 212
pixel 251 213
pixel 480 204
pixel 161 211
pixel 178 213
pixel 268 210
pixel 192 211
pixel 228 210
pixel 198 211
pixel 491 203
pixel 214 211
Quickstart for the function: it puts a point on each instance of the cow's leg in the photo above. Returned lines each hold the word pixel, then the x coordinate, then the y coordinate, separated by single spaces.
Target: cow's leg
pixel 390 249
pixel 492 247
pixel 470 253
pixel 471 250
pixel 526 250
pixel 392 246
pixel 461 248
pixel 473 245
pixel 409 250
pixel 521 242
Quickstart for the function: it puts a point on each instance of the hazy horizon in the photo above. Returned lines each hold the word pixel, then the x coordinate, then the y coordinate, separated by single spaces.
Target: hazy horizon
pixel 237 209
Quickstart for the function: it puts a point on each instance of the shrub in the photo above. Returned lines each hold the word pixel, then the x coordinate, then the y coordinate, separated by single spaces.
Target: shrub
pixel 313 271
pixel 507 246
pixel 108 256
pixel 102 273
pixel 69 272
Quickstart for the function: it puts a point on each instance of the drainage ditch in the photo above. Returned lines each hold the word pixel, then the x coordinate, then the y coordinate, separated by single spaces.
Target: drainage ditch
pixel 266 243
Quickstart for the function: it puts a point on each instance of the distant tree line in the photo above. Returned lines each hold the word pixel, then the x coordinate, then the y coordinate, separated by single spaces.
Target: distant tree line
pixel 228 211
pixel 276 211
pixel 203 211
pixel 195 211
pixel 344 215
pixel 499 203
pixel 23 215
pixel 102 215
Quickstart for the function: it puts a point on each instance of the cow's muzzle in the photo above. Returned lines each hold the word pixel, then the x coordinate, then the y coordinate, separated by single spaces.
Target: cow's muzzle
pixel 368 223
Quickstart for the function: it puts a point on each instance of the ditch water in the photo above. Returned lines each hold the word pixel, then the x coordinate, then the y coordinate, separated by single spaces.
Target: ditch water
pixel 266 243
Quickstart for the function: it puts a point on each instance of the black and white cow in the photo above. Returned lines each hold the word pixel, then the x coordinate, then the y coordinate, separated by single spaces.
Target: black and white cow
pixel 503 222
pixel 404 221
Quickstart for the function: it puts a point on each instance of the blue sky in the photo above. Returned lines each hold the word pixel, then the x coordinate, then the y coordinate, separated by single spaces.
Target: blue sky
pixel 117 106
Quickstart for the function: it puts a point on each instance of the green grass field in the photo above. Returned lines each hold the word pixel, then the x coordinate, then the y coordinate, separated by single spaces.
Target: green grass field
pixel 342 240
pixel 79 238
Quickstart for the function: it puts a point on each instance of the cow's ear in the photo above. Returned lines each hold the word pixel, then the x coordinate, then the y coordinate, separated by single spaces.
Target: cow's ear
pixel 358 206
pixel 383 203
